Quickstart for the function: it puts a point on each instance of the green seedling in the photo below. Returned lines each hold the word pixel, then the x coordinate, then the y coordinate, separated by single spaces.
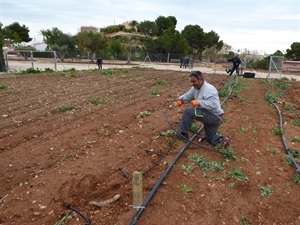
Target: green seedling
pixel 243 130
pixel 244 220
pixel 144 114
pixel 65 108
pixel 184 188
pixel 155 92
pixel 272 150
pixel 161 82
pixel 264 191
pixel 238 174
pixel 188 168
pixel 97 101
pixel 296 122
pixel 297 179
pixel 277 131
pixel 296 139
pixel 3 86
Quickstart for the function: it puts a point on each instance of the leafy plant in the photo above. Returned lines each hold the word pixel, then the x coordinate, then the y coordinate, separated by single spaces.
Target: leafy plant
pixel 3 86
pixel 204 164
pixel 244 220
pixel 228 154
pixel 161 82
pixel 238 174
pixel 277 131
pixel 107 72
pixel 97 101
pixel 188 168
pixel 184 188
pixel 296 139
pixel 65 108
pixel 155 92
pixel 265 191
pixel 296 122
pixel 297 179
pixel 289 107
pixel 272 150
pixel 144 114
pixel 243 129
pixel 194 128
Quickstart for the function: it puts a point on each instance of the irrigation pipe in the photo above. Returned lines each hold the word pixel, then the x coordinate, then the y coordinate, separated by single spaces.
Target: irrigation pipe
pixel 161 179
pixel 288 151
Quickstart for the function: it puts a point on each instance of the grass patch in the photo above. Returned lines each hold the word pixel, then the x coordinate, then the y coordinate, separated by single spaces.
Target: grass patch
pixel 3 86
pixel 97 101
pixel 184 188
pixel 296 139
pixel 144 114
pixel 265 191
pixel 155 92
pixel 65 108
pixel 238 174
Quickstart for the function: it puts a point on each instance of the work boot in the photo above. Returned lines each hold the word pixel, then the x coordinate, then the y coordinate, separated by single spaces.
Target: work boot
pixel 224 142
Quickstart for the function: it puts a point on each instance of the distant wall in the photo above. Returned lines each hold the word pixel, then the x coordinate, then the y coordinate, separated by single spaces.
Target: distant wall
pixel 292 66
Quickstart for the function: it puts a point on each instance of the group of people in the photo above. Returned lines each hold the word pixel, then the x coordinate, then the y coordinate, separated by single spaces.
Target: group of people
pixel 186 61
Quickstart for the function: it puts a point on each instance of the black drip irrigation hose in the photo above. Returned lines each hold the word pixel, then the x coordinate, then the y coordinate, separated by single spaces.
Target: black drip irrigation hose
pixel 87 221
pixel 161 179
pixel 287 150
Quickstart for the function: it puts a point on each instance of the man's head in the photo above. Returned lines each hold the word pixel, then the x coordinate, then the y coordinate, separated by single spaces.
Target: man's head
pixel 196 79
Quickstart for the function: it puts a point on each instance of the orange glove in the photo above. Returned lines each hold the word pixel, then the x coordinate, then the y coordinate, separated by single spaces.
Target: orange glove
pixel 180 102
pixel 194 103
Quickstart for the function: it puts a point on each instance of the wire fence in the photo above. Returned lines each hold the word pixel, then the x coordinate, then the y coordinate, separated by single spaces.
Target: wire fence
pixel 23 60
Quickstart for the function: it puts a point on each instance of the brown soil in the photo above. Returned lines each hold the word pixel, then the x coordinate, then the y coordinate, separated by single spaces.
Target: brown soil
pixel 50 158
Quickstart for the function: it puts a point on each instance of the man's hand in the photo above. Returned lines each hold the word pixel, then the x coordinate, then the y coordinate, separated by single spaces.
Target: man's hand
pixel 180 102
pixel 194 103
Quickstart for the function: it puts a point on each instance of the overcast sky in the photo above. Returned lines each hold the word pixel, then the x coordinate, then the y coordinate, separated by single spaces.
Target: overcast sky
pixel 258 25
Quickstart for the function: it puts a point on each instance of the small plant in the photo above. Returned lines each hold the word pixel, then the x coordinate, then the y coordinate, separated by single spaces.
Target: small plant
pixel 264 191
pixel 244 220
pixel 155 92
pixel 144 114
pixel 242 99
pixel 296 139
pixel 3 86
pixel 243 130
pixel 297 179
pixel 270 98
pixel 188 168
pixel 204 164
pixel 277 131
pixel 296 122
pixel 194 128
pixel 184 188
pixel 228 154
pixel 289 107
pixel 31 70
pixel 295 154
pixel 65 108
pixel 97 101
pixel 161 82
pixel 231 185
pixel 272 150
pixel 238 174
pixel 254 128
pixel 107 72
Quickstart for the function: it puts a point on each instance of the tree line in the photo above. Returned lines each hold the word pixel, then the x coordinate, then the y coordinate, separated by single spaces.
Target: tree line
pixel 158 37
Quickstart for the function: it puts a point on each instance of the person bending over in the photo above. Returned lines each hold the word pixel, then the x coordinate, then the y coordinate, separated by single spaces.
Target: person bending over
pixel 206 107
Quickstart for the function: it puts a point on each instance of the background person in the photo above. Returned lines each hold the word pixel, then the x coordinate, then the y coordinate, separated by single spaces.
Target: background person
pixel 235 65
pixel 99 63
pixel 206 107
